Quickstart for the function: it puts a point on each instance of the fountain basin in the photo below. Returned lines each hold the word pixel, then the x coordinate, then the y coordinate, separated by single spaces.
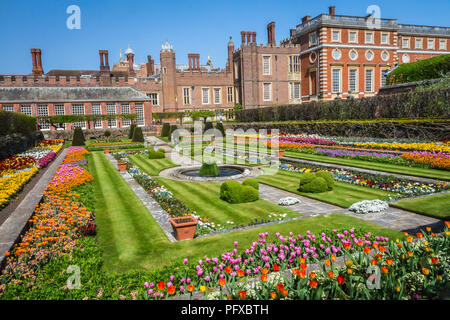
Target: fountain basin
pixel 226 172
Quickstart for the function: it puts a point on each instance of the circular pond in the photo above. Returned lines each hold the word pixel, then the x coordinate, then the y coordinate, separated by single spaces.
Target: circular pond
pixel 226 172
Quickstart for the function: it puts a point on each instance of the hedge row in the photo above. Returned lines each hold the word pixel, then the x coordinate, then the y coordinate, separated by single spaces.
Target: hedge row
pixel 432 68
pixel 433 129
pixel 18 142
pixel 433 103
pixel 16 122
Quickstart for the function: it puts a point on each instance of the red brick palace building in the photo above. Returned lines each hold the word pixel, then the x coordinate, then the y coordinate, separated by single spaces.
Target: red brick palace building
pixel 323 58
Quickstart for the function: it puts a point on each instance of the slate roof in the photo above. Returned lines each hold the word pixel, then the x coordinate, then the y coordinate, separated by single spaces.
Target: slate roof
pixel 69 94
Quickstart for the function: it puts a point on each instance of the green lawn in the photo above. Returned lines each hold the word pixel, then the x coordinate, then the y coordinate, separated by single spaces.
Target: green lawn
pixel 132 240
pixel 166 139
pixel 343 194
pixel 413 171
pixel 151 166
pixel 203 197
pixel 437 206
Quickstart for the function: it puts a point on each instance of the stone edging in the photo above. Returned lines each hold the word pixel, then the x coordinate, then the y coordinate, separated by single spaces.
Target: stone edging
pixel 17 222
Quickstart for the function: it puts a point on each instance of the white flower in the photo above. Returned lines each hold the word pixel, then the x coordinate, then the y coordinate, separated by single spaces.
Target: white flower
pixel 369 206
pixel 288 201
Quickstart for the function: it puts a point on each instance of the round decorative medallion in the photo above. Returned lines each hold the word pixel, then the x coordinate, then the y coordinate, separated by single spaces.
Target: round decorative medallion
pixel 336 54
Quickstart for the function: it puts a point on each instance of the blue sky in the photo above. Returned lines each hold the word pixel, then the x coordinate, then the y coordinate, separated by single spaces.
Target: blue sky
pixel 201 26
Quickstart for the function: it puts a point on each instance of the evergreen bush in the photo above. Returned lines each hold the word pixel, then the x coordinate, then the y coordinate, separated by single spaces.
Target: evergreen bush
pixel 165 130
pixel 251 182
pixel 231 191
pixel 219 126
pixel 152 154
pixel 209 170
pixel 78 137
pixel 328 176
pixel 208 125
pixel 249 194
pixel 306 178
pixel 131 131
pixel 137 135
pixel 172 129
pixel 315 186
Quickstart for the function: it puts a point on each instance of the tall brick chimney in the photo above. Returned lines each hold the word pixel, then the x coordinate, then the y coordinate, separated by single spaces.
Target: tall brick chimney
pixel 150 66
pixel 37 62
pixel 271 34
pixel 104 63
pixel 230 55
pixel 331 10
pixel 242 37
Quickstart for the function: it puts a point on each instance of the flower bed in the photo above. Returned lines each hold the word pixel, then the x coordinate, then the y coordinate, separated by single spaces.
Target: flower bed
pixel 408 269
pixel 42 163
pixel 75 155
pixel 16 163
pixel 50 142
pixel 10 186
pixel 437 160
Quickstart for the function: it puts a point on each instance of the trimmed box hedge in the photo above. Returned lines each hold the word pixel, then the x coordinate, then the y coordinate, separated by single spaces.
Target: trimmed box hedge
pixel 16 122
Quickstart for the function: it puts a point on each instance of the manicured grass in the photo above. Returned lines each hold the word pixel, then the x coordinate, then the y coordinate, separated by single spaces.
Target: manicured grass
pixel 437 206
pixel 132 240
pixel 166 139
pixel 203 197
pixel 151 166
pixel 413 171
pixel 343 194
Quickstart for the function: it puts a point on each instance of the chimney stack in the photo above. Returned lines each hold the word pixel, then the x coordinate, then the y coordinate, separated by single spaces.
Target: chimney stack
pixel 292 32
pixel 331 10
pixel 150 66
pixel 104 63
pixel 194 61
pixel 306 18
pixel 37 62
pixel 242 37
pixel 271 34
pixel 253 37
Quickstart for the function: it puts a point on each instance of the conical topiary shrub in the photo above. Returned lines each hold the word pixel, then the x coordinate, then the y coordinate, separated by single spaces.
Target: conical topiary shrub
pixel 165 130
pixel 137 135
pixel 208 125
pixel 209 170
pixel 131 132
pixel 220 127
pixel 78 137
pixel 172 129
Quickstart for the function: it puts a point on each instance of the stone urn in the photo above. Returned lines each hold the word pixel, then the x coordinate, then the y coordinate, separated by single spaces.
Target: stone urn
pixel 280 153
pixel 122 166
pixel 106 150
pixel 184 227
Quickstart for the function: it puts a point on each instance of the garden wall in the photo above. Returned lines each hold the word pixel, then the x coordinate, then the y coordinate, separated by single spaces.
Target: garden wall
pixel 97 133
pixel 437 129
pixel 423 104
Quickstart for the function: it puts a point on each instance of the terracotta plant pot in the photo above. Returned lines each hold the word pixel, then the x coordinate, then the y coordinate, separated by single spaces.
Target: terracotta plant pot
pixel 280 153
pixel 122 166
pixel 184 227
pixel 106 150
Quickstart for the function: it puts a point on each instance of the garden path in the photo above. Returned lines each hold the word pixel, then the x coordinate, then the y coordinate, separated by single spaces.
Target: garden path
pixel 392 218
pixel 16 222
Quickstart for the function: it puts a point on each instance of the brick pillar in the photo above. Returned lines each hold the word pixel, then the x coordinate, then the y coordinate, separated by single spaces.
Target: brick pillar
pixel 16 107
pixel 103 108
pixel 248 33
pixel 33 59
pixel 147 113
pixel 242 37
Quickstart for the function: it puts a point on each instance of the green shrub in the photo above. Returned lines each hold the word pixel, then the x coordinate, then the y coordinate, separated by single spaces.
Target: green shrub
pixel 131 131
pixel 328 176
pixel 165 130
pixel 209 170
pixel 315 186
pixel 306 178
pixel 208 125
pixel 78 137
pixel 137 135
pixel 161 150
pixel 219 126
pixel 16 122
pixel 172 129
pixel 251 182
pixel 231 191
pixel 249 194
pixel 152 154
pixel 426 69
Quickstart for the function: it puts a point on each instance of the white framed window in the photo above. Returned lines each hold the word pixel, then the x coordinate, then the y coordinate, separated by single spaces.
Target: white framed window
pixel 139 108
pixel 97 109
pixel 154 98
pixel 266 65
pixel 125 110
pixel 60 111
pixel 294 63
pixel 312 39
pixel 369 37
pixel 336 35
pixel 384 38
pixel 352 80
pixel 336 54
pixel 42 112
pixel 418 43
pixel 8 107
pixel 111 109
pixel 267 91
pixel 217 96
pixel 26 109
pixel 405 43
pixel 336 80
pixel 385 55
pixel 205 95
pixel 369 80
pixel 369 55
pixel 384 73
pixel 230 94
pixel 353 36
pixel 294 90
pixel 442 44
pixel 430 44
pixel 78 109
pixel 353 54
pixel 186 96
